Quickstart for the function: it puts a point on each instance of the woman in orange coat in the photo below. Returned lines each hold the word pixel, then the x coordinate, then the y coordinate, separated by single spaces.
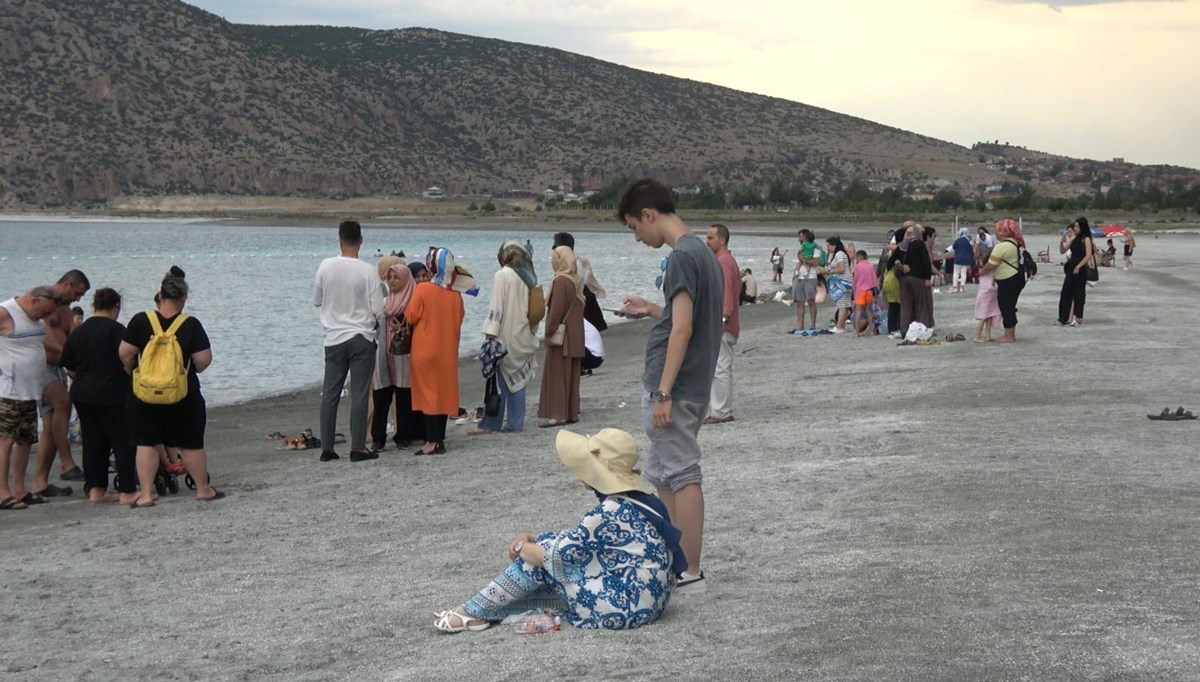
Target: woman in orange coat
pixel 436 315
pixel 559 402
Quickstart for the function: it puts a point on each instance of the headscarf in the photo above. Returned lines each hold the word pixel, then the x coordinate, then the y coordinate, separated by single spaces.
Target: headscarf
pixel 913 232
pixel 445 273
pixel 386 264
pixel 398 300
pixel 964 232
pixel 1007 228
pixel 513 255
pixel 563 260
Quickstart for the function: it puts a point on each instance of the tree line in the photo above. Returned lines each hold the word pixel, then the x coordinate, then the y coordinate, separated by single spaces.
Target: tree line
pixel 858 197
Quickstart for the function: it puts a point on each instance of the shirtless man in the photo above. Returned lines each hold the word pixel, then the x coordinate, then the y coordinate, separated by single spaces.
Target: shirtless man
pixel 20 383
pixel 56 401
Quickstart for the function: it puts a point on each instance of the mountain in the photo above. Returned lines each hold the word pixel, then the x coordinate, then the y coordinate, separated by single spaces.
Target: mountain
pixel 156 97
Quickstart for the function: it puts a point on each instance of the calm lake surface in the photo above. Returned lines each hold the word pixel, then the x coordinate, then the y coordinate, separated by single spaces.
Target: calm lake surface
pixel 252 286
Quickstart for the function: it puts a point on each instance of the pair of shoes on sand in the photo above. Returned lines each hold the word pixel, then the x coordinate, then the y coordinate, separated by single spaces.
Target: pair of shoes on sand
pixel 1168 416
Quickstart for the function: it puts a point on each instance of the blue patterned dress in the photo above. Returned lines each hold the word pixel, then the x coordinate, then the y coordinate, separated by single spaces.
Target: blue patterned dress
pixel 612 571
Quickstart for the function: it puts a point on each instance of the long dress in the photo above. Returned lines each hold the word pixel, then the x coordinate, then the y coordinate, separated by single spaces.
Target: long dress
pixel 612 571
pixel 436 315
pixel 560 372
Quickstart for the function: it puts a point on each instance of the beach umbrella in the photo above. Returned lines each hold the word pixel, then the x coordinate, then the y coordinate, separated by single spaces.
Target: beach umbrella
pixel 1112 231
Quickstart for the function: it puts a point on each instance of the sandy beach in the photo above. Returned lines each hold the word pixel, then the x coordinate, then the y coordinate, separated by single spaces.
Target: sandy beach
pixel 959 512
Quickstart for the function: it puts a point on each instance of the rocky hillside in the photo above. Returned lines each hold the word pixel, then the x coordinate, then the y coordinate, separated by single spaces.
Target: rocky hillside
pixel 153 97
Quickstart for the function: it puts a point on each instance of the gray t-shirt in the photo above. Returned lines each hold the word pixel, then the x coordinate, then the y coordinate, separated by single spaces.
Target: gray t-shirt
pixel 693 268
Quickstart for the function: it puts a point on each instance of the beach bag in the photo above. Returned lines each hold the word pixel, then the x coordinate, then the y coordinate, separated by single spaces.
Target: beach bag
pixel 891 286
pixel 161 375
pixel 1093 273
pixel 537 306
pixel 837 287
pixel 402 339
pixel 556 339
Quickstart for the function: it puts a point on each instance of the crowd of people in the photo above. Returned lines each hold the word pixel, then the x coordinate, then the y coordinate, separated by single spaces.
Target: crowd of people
pixel 898 286
pixel 394 329
pixel 43 348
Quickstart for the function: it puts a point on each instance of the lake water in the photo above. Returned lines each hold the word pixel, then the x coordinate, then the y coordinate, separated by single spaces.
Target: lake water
pixel 252 286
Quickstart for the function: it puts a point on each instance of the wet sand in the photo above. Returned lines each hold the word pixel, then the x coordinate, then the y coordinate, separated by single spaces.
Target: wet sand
pixel 960 512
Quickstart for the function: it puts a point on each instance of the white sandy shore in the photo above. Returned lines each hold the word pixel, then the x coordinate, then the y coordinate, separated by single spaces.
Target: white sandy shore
pixel 961 512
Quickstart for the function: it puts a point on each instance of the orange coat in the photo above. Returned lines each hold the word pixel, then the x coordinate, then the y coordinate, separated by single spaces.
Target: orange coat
pixel 436 315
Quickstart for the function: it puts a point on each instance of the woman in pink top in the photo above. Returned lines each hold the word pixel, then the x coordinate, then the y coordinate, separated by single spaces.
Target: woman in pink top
pixel 865 284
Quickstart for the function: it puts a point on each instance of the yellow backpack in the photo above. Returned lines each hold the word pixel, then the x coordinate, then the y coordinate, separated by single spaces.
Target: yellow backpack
pixel 161 375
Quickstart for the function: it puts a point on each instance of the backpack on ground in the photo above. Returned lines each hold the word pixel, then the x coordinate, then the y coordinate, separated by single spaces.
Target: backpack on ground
pixel 160 377
pixel 537 306
pixel 1025 265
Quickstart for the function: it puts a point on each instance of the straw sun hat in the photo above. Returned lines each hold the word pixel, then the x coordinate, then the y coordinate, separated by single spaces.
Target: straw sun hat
pixel 604 461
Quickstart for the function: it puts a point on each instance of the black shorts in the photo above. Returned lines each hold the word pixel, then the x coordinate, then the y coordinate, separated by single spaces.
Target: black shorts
pixel 180 425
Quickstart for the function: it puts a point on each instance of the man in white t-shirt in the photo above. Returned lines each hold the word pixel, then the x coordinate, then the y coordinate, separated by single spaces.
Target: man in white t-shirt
pixel 351 301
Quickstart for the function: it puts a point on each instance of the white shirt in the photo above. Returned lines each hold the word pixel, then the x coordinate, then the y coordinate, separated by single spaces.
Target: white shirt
pixel 350 299
pixel 22 356
pixel 592 340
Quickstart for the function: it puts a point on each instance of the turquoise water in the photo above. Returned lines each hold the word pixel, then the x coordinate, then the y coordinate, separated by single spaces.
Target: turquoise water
pixel 252 286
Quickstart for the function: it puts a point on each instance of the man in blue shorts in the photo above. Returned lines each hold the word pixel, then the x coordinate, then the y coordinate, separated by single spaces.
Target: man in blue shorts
pixel 681 357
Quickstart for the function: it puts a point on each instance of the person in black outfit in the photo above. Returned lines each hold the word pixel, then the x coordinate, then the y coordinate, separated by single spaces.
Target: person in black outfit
pixel 591 305
pixel 181 424
pixel 100 391
pixel 1077 240
pixel 916 284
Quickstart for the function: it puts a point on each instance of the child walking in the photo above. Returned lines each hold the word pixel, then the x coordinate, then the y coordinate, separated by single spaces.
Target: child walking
pixel 987 307
pixel 865 284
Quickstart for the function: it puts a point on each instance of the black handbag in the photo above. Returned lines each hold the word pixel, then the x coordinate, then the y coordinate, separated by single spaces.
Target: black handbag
pixel 402 340
pixel 1093 273
pixel 491 396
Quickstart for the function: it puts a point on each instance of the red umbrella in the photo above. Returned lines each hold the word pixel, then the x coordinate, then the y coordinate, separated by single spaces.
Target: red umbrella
pixel 1113 230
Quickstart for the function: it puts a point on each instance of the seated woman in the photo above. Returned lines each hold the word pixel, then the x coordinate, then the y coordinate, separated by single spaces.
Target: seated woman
pixel 615 570
pixel 1108 257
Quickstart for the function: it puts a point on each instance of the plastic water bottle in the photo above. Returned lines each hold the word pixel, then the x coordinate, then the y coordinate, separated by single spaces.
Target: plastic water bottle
pixel 535 623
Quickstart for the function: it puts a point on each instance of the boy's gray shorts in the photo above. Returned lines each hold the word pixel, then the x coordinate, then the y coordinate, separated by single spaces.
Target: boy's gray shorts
pixel 673 458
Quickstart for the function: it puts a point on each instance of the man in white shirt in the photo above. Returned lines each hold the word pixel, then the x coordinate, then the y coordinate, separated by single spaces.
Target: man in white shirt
pixel 350 297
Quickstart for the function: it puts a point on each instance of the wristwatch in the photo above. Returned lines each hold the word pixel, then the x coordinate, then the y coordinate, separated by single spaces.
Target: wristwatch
pixel 659 396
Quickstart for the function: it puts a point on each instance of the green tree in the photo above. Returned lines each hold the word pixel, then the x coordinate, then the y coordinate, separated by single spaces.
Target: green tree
pixel 948 198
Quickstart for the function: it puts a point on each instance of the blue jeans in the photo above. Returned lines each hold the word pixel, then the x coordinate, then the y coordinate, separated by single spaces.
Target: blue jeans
pixel 511 403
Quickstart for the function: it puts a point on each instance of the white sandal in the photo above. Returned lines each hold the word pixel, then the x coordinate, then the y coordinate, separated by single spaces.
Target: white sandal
pixel 443 623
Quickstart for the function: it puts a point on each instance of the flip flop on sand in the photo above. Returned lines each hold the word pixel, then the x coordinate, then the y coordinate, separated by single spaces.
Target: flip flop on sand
pixel 12 503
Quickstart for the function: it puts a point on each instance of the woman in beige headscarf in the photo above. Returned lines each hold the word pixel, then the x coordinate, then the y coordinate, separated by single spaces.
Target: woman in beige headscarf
pixel 559 402
pixel 508 322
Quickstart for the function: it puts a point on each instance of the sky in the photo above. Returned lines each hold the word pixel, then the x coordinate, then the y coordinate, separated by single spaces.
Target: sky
pixel 1092 79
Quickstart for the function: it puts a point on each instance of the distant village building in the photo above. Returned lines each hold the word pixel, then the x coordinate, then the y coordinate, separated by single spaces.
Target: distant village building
pixel 434 192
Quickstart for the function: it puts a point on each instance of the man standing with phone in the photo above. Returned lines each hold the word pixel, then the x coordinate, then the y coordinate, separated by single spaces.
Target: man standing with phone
pixel 681 357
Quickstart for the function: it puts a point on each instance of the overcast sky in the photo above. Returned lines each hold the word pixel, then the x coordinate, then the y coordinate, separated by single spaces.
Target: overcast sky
pixel 1085 78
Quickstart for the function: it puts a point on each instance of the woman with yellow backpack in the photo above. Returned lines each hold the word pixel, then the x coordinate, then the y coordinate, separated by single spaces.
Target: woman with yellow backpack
pixel 165 351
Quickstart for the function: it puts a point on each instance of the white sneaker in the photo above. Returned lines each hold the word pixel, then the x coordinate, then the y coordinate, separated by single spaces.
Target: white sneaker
pixel 835 330
pixel 894 335
pixel 691 584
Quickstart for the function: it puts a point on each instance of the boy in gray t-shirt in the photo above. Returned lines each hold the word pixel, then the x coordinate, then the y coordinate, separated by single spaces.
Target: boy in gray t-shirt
pixel 681 357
